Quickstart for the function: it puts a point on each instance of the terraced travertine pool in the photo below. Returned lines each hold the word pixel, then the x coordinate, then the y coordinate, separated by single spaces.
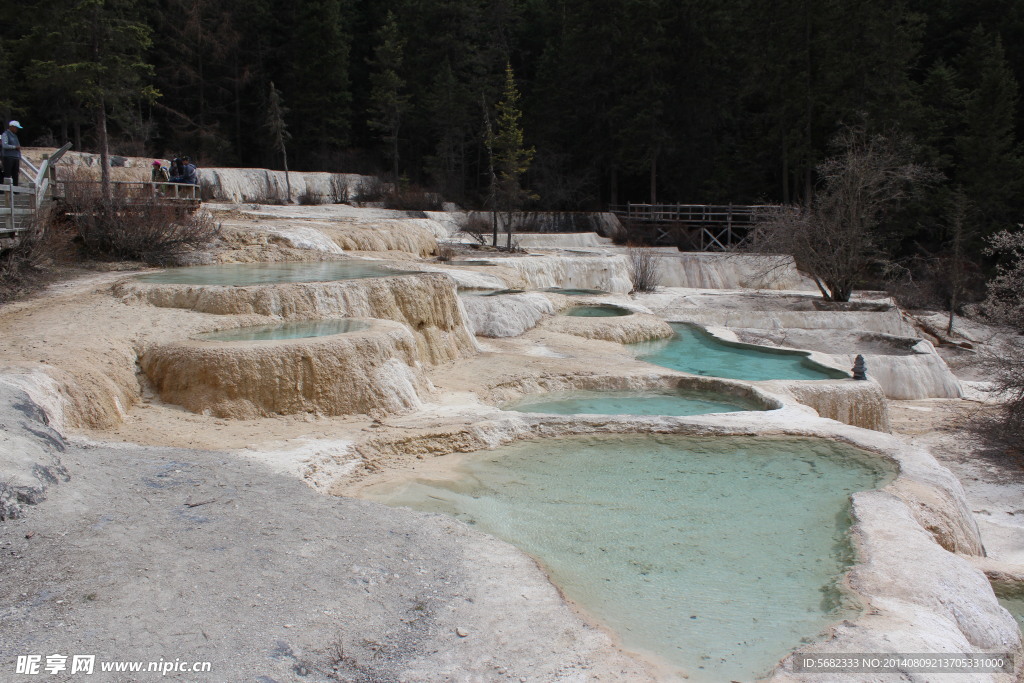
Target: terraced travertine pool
pixel 693 350
pixel 716 555
pixel 1014 604
pixel 247 274
pixel 303 329
pixel 667 402
pixel 597 311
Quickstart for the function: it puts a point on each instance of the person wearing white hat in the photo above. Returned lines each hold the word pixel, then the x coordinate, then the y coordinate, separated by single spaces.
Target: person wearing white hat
pixel 11 155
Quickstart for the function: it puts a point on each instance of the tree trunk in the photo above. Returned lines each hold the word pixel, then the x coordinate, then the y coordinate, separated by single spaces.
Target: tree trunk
pixel 101 133
pixel 809 104
pixel 394 152
pixel 654 178
pixel 287 178
pixel 785 173
pixel 952 312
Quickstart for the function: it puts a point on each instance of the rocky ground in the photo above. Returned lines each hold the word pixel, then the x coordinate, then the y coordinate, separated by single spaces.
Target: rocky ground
pixel 151 553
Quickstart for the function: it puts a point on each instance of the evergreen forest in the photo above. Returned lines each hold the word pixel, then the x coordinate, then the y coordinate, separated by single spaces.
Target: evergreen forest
pixel 622 100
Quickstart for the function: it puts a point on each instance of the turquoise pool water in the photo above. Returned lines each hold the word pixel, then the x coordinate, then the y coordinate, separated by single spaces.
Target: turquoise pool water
pixel 575 292
pixel 718 555
pixel 1014 604
pixel 296 330
pixel 246 274
pixel 676 403
pixel 693 350
pixel 598 311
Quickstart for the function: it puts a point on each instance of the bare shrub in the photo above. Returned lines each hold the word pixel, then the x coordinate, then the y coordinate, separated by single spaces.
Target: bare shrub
pixel 339 189
pixel 309 198
pixel 1005 300
pixel 477 227
pixel 25 262
pixel 1005 305
pixel 644 269
pixel 146 229
pixel 413 199
pixel 836 239
pixel 445 251
pixel 372 189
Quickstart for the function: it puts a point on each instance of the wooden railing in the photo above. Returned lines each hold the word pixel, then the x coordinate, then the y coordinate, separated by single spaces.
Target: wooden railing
pixel 18 204
pixel 704 227
pixel 141 190
pixel 17 209
pixel 692 213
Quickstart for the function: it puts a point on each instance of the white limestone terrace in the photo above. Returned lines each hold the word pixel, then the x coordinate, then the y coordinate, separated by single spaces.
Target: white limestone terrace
pixel 916 539
pixel 256 184
pixel 906 366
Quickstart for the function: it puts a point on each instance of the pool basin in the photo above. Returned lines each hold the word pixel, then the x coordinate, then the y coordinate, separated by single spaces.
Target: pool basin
pixel 303 329
pixel 717 555
pixel 248 274
pixel 597 311
pixel 670 402
pixel 693 350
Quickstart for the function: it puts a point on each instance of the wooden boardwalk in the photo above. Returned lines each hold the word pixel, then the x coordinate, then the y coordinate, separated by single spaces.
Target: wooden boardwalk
pixel 694 227
pixel 19 204
pixel 136 190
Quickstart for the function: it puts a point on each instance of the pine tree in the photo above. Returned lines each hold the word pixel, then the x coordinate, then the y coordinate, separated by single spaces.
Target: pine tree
pixel 199 63
pixel 450 126
pixel 278 131
pixel 98 59
pixel 388 100
pixel 989 162
pixel 509 155
pixel 317 81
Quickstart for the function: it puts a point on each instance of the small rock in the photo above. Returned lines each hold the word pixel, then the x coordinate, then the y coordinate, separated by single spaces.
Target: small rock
pixel 462 633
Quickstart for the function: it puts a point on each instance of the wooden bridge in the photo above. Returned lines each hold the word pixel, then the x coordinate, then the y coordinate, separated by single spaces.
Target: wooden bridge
pixel 20 204
pixel 693 227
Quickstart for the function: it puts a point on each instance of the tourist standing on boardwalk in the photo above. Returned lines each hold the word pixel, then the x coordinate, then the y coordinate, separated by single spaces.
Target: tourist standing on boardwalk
pixel 189 174
pixel 11 153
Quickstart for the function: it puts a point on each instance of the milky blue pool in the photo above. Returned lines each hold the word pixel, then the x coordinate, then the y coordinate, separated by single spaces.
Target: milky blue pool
pixel 666 402
pixel 693 350
pixel 295 330
pixel 246 274
pixel 717 555
pixel 597 311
